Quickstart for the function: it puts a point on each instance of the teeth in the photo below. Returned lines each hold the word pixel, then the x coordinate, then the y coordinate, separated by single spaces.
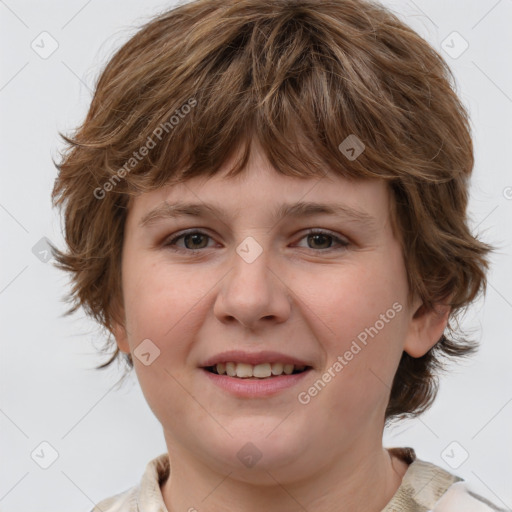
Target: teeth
pixel 288 369
pixel 277 368
pixel 260 371
pixel 243 370
pixel 230 369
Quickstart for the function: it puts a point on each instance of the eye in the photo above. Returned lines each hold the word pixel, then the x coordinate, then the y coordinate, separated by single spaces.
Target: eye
pixel 193 240
pixel 321 238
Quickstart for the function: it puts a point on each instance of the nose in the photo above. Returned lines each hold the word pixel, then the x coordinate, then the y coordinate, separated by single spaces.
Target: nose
pixel 253 293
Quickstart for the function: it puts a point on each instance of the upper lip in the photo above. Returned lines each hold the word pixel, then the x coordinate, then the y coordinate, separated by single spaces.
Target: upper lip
pixel 241 356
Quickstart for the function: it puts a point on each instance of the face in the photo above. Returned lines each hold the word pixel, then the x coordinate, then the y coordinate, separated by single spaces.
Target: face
pixel 324 292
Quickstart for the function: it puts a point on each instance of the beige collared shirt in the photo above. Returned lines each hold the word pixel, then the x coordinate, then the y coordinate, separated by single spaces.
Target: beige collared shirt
pixel 425 487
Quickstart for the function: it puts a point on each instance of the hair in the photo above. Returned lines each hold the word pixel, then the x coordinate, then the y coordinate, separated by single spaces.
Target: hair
pixel 203 80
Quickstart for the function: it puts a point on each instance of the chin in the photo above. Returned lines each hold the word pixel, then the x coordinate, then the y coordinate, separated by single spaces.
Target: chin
pixel 252 454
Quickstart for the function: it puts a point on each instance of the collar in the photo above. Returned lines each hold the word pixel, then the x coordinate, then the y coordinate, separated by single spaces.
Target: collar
pixel 422 485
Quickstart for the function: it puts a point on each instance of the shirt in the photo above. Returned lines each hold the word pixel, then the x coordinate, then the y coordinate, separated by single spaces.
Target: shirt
pixel 425 487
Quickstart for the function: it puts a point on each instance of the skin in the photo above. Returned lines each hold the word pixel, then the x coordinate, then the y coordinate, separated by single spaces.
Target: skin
pixel 299 297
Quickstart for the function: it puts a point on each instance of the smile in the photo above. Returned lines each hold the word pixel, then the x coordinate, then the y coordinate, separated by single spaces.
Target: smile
pixel 257 371
pixel 250 386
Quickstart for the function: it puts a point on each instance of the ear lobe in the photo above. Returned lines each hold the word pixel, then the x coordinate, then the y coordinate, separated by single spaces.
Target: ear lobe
pixel 119 332
pixel 425 329
pixel 118 328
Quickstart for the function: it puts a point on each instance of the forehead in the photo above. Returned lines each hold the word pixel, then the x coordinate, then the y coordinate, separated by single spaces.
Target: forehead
pixel 261 188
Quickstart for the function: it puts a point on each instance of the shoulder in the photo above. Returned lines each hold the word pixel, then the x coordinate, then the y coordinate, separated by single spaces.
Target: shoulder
pixel 144 496
pixel 460 496
pixel 125 501
pixel 430 488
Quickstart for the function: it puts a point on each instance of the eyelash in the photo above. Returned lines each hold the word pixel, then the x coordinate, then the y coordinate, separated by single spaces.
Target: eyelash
pixel 170 243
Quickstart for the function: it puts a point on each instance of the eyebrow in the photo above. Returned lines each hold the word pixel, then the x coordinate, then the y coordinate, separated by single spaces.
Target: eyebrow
pixel 165 210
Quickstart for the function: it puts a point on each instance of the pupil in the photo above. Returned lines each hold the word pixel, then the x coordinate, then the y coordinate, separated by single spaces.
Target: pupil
pixel 325 237
pixel 193 236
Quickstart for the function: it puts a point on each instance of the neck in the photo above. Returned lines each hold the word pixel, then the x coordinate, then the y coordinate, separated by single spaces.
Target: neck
pixel 362 480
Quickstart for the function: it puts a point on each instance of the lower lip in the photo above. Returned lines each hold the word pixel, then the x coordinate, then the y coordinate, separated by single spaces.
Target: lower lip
pixel 252 388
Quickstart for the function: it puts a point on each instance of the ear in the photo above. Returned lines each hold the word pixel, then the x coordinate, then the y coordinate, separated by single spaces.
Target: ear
pixel 118 329
pixel 425 329
pixel 119 332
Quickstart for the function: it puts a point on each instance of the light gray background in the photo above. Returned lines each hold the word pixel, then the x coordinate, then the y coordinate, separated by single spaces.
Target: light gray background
pixel 104 436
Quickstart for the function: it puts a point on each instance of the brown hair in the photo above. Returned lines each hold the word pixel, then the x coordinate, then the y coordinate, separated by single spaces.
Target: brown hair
pixel 202 80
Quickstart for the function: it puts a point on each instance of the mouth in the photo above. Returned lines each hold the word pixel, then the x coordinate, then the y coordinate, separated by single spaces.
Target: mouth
pixel 260 371
pixel 263 380
pixel 260 374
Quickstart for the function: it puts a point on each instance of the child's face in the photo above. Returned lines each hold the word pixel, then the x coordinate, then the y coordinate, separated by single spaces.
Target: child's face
pixel 304 297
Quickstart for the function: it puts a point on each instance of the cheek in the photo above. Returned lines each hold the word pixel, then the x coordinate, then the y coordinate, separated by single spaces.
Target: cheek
pixel 161 300
pixel 350 300
pixel 163 306
pixel 360 318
